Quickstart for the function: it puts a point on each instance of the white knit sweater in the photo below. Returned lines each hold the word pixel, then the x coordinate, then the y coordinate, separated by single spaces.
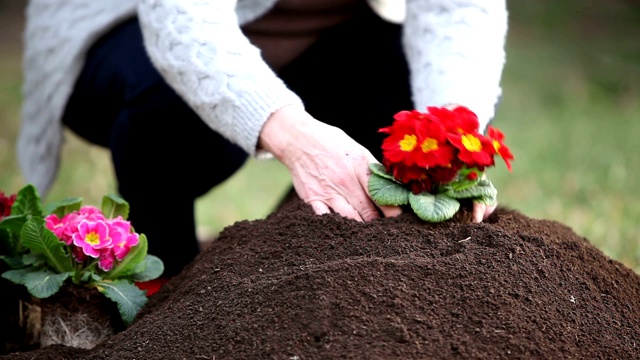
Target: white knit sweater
pixel 455 50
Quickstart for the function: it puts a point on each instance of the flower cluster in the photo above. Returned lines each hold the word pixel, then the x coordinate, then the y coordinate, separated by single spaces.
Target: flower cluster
pixel 90 235
pixel 73 244
pixel 439 156
pixel 427 149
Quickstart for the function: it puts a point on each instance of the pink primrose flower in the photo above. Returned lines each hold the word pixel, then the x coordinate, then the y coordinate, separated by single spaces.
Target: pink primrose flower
pixel 91 213
pixel 122 248
pixel 55 224
pixel 66 227
pixel 122 237
pixel 92 236
pixel 121 224
pixel 106 259
pixel 63 228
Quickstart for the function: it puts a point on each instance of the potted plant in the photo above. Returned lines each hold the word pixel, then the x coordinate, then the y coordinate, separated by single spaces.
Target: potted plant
pixel 88 253
pixel 434 159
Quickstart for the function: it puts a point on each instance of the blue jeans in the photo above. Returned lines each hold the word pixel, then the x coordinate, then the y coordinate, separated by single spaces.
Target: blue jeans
pixel 354 77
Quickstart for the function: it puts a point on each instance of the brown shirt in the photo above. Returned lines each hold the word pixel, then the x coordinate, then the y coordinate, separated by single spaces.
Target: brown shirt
pixel 291 26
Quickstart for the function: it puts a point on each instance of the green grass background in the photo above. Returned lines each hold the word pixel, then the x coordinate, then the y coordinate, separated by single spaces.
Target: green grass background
pixel 570 112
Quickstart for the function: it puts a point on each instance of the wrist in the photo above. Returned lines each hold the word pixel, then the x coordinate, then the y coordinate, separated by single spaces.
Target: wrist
pixel 283 129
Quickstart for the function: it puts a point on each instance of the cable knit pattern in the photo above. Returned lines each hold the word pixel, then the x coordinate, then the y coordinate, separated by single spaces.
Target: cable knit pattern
pixel 55 39
pixel 455 50
pixel 199 49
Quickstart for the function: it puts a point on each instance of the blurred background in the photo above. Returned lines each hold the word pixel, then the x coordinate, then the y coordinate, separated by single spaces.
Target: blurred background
pixel 570 113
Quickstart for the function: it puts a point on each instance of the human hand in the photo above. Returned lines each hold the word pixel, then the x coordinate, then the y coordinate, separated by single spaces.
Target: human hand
pixel 329 170
pixel 482 212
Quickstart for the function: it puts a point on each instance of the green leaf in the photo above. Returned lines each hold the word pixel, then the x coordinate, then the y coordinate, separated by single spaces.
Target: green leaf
pixel 18 275
pixel 433 208
pixel 386 192
pixel 114 206
pixel 39 283
pixel 483 192
pixel 10 228
pixel 128 265
pixel 461 184
pixel 27 202
pixel 129 298
pixel 33 259
pixel 64 207
pixel 380 170
pixel 14 223
pixel 43 284
pixel 36 237
pixel 151 268
pixel 487 200
pixel 491 193
pixel 14 262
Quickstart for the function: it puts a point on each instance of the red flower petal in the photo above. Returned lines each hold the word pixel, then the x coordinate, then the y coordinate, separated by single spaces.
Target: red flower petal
pixel 498 144
pixel 5 204
pixel 474 149
pixel 457 120
pixel 414 139
pixel 426 150
pixel 152 286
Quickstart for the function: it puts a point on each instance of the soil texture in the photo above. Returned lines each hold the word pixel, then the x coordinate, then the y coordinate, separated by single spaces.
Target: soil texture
pixel 301 286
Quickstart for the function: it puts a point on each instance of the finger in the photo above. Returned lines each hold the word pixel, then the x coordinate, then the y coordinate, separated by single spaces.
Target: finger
pixel 490 209
pixel 319 207
pixel 340 205
pixel 478 211
pixel 366 208
pixel 369 210
pixel 391 211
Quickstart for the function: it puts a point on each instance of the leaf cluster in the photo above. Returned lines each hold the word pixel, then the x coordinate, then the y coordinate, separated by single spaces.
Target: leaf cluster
pixel 439 206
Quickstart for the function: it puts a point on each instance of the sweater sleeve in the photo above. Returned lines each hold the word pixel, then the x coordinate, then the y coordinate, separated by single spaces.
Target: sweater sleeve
pixel 455 50
pixel 200 50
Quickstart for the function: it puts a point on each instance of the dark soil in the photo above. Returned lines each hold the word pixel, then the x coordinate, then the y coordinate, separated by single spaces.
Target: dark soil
pixel 300 286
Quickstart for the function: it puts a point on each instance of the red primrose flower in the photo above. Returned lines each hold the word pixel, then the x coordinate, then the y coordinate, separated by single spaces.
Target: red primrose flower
pixel 424 150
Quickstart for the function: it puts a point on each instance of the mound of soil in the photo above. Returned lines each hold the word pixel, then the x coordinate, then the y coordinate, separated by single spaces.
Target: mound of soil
pixel 300 286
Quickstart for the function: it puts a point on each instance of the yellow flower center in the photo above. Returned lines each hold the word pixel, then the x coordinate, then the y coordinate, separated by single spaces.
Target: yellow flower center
pixel 92 238
pixel 408 143
pixel 471 143
pixel 429 144
pixel 496 145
